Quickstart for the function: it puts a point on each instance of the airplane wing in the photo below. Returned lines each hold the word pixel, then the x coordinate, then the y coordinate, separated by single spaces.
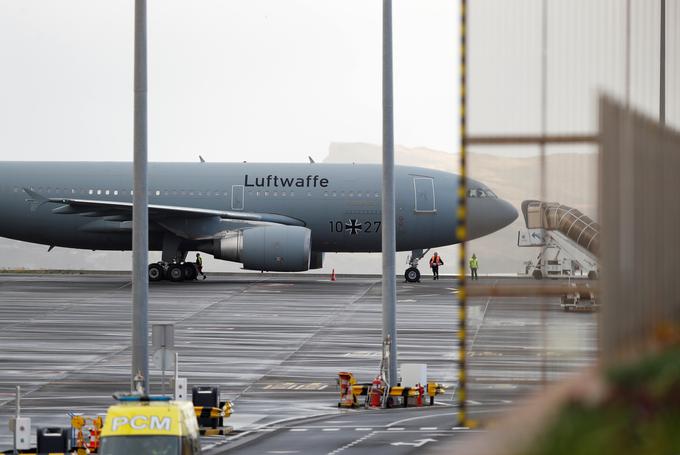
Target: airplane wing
pixel 168 216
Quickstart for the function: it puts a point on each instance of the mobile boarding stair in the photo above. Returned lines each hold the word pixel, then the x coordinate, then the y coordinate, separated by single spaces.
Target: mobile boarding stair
pixel 569 242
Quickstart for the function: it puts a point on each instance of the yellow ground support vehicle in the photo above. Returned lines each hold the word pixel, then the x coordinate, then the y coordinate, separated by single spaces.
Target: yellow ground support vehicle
pixel 150 425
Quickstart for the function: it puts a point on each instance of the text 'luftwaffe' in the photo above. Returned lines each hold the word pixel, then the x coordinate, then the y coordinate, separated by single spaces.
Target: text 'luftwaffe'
pixel 311 181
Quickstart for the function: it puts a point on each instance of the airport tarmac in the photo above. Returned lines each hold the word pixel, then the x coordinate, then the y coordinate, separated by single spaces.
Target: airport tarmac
pixel 274 344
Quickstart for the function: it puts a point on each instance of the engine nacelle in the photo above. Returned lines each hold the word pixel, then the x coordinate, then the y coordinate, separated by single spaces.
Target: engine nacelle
pixel 272 248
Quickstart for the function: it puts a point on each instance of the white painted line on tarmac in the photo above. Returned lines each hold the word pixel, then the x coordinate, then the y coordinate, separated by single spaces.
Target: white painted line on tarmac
pixel 363 429
pixel 298 429
pixel 428 428
pixel 351 444
pixel 426 416
pixel 331 429
pixel 395 429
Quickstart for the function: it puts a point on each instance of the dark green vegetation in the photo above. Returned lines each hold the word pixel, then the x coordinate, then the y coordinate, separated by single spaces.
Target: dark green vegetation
pixel 639 415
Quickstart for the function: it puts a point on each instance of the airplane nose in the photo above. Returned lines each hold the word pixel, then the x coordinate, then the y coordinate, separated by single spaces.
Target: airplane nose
pixel 506 213
pixel 487 215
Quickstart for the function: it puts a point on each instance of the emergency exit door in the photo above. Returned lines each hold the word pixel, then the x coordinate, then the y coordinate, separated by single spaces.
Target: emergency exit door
pixel 237 197
pixel 424 194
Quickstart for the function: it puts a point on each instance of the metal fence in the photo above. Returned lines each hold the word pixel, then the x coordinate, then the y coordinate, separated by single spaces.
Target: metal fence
pixel 640 213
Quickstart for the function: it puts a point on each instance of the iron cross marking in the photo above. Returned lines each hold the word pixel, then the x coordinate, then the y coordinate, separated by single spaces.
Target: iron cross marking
pixel 353 226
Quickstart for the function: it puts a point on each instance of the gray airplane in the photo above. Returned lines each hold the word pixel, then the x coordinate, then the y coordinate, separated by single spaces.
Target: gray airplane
pixel 271 217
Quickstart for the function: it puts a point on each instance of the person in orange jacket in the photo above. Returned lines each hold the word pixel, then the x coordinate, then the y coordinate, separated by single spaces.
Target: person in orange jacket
pixel 435 262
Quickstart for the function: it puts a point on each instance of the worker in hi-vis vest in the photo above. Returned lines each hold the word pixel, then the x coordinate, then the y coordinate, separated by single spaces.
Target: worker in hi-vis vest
pixel 199 265
pixel 474 265
pixel 435 262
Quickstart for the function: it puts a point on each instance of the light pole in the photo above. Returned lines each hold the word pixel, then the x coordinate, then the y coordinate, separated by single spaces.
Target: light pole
pixel 389 243
pixel 140 213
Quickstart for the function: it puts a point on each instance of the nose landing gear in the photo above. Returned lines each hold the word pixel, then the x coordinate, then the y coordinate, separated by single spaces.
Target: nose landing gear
pixel 412 274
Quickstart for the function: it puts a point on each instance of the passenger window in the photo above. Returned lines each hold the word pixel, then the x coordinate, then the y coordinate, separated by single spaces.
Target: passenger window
pixel 158 193
pixel 91 192
pixel 115 192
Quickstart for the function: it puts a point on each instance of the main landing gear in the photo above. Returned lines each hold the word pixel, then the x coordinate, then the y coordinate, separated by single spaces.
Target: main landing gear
pixel 412 274
pixel 173 265
pixel 185 271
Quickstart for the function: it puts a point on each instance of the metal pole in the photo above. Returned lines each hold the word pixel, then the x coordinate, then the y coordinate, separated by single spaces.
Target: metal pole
pixel 140 214
pixel 662 65
pixel 163 373
pixel 544 168
pixel 461 229
pixel 176 372
pixel 389 243
pixel 17 409
pixel 627 69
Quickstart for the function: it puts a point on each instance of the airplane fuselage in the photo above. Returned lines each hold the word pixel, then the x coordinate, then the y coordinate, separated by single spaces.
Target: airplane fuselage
pixel 339 203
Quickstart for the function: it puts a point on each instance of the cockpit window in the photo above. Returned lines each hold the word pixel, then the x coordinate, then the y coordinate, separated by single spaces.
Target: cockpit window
pixel 481 193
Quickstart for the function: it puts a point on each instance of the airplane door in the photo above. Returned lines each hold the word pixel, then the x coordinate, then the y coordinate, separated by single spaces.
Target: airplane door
pixel 237 197
pixel 424 194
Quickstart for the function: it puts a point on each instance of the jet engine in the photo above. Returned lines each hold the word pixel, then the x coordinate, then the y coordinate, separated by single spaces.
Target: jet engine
pixel 272 248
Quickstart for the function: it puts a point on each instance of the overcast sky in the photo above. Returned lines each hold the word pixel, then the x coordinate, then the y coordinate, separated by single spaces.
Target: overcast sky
pixel 232 80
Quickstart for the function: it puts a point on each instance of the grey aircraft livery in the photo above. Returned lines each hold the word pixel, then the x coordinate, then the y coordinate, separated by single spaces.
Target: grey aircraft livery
pixel 271 217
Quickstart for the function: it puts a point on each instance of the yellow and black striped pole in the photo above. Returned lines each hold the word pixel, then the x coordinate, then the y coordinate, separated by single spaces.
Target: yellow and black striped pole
pixel 461 229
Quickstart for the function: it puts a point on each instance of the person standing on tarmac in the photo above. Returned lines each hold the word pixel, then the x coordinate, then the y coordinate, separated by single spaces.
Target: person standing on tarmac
pixel 199 265
pixel 435 262
pixel 474 265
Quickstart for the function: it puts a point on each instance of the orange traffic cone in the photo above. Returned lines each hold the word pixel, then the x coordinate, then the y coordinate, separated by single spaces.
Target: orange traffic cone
pixel 333 275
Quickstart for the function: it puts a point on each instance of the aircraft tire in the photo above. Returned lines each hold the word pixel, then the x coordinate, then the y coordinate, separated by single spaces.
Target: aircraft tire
pixel 189 270
pixel 412 275
pixel 155 272
pixel 175 273
pixel 537 274
pixel 592 275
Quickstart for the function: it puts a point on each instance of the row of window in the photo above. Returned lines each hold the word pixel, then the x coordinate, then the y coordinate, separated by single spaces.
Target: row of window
pixel 100 192
pixel 351 194
pixel 107 192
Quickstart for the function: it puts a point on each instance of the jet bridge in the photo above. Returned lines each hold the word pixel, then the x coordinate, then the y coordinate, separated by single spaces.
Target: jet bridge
pixel 569 239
